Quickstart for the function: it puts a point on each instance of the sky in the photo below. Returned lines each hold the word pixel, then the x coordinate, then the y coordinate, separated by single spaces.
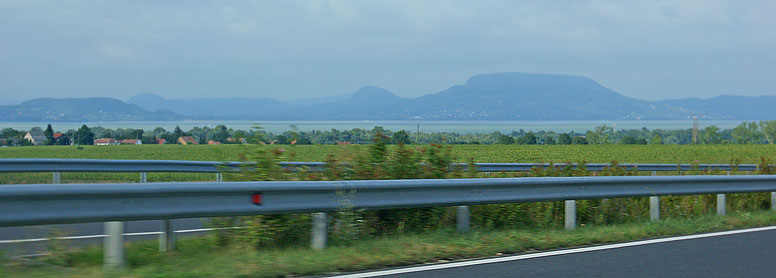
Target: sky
pixel 297 49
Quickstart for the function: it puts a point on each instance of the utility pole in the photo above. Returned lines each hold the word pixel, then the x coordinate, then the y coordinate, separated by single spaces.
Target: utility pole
pixel 417 136
pixel 695 129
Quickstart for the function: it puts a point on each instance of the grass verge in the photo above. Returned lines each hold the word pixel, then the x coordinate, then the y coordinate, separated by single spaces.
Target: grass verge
pixel 202 257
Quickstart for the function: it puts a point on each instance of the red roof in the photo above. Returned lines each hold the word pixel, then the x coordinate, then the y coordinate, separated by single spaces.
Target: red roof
pixel 211 142
pixel 188 140
pixel 57 134
pixel 105 141
pixel 130 141
pixel 161 141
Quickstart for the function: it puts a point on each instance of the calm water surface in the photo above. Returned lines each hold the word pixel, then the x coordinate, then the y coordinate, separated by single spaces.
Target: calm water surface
pixel 425 126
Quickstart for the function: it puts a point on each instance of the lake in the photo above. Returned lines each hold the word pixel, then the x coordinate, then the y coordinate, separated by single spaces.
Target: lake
pixel 425 126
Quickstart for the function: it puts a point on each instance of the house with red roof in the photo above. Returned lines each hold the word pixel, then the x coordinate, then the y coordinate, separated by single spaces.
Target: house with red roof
pixel 131 142
pixel 187 140
pixel 105 142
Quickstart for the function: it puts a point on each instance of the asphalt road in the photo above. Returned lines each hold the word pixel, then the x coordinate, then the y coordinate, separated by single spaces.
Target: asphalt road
pixel 84 229
pixel 751 254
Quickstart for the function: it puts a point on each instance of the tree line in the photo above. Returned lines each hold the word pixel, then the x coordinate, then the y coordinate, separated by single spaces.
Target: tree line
pixel 763 132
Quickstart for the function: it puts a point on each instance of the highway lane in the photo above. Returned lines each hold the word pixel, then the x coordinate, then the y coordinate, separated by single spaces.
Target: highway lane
pixel 747 254
pixel 90 233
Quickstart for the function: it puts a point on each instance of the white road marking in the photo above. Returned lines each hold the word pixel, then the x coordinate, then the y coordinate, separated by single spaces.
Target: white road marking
pixel 544 254
pixel 101 236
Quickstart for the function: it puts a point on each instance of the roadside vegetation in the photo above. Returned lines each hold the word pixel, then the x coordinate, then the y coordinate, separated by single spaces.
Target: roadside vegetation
pixel 208 257
pixel 276 245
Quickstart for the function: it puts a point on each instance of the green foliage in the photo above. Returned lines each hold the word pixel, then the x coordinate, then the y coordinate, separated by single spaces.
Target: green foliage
pixel 505 139
pixel 84 136
pixel 528 139
pixel 564 139
pixel 579 140
pixel 401 137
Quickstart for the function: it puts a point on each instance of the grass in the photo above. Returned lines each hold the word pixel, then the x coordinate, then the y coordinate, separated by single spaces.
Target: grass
pixel 480 153
pixel 723 154
pixel 202 257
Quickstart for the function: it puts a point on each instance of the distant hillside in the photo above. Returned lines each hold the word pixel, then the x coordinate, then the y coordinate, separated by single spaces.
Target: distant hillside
pixel 319 100
pixel 492 97
pixel 731 107
pixel 367 103
pixel 528 96
pixel 216 107
pixel 81 109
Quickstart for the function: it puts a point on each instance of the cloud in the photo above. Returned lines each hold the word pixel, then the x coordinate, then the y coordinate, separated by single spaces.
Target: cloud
pixel 114 52
pixel 649 49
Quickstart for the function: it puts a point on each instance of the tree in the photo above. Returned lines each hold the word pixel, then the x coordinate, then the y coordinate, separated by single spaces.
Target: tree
pixel 600 135
pixel 529 139
pixel 579 140
pixel 504 139
pixel 710 135
pixel 220 133
pixel 49 133
pixel 10 133
pixel 768 129
pixel 159 132
pixel 564 139
pixel 628 140
pixel 84 136
pixel 549 140
pixel 177 133
pixel 400 137
pixel 63 140
pixel 656 140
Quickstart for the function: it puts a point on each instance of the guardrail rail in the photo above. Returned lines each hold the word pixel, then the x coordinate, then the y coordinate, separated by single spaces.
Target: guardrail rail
pixel 36 204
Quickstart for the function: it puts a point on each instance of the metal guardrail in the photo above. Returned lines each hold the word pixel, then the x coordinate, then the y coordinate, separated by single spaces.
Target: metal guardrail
pixel 74 203
pixel 100 165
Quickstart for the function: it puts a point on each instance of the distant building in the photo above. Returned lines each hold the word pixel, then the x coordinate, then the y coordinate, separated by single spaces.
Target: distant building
pixel 211 142
pixel 131 142
pixel 161 141
pixel 236 140
pixel 187 140
pixel 105 142
pixel 344 143
pixel 36 136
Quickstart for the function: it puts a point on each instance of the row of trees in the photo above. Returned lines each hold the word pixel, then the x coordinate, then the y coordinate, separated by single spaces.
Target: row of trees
pixel 763 132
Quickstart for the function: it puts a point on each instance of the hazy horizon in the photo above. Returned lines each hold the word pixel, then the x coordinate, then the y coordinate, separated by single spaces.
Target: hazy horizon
pixel 301 49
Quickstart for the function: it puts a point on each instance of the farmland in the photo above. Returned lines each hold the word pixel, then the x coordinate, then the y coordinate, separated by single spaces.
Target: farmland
pixel 461 153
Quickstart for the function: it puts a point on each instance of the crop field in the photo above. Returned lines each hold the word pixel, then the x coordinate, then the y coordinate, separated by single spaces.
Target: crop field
pixel 462 153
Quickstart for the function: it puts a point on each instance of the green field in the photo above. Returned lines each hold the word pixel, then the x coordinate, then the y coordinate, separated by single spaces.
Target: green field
pixel 461 153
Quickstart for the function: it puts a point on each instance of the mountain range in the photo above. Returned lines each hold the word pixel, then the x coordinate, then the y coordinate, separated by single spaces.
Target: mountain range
pixel 497 96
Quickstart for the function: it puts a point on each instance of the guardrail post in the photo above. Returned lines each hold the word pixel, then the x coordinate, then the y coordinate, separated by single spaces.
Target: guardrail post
pixel 654 208
pixel 721 204
pixel 113 245
pixel 654 205
pixel 143 177
pixel 167 237
pixel 773 200
pixel 57 178
pixel 219 177
pixel 319 231
pixel 462 219
pixel 571 214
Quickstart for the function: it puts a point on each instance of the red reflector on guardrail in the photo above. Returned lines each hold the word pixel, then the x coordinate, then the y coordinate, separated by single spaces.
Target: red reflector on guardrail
pixel 256 199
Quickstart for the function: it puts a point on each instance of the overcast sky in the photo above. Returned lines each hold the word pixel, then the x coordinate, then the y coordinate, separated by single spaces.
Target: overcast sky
pixel 295 49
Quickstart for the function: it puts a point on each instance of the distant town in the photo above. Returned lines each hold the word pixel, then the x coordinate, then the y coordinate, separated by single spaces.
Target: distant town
pixel 763 132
